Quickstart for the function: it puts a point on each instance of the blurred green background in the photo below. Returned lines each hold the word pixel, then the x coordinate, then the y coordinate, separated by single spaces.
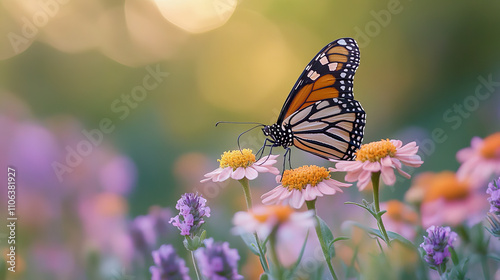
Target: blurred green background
pixel 65 63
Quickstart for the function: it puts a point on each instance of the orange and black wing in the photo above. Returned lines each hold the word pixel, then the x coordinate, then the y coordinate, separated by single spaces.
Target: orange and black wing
pixel 331 128
pixel 329 75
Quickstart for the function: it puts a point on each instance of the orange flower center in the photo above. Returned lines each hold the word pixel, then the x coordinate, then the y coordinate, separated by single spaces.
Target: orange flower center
pixel 400 212
pixel 299 178
pixel 446 185
pixel 375 151
pixel 281 212
pixel 491 146
pixel 237 158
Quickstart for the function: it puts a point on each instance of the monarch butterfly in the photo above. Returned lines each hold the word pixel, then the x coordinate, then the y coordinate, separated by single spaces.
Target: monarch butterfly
pixel 320 115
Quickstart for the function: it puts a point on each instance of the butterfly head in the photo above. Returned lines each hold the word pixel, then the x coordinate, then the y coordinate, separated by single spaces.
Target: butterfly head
pixel 280 135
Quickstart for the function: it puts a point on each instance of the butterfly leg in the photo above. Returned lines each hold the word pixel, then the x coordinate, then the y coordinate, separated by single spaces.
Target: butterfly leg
pixel 287 155
pixel 260 152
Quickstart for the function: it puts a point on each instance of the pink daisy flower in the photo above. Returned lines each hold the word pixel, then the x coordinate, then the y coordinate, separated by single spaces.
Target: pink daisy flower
pixel 239 164
pixel 302 184
pixel 447 200
pixel 382 156
pixel 481 160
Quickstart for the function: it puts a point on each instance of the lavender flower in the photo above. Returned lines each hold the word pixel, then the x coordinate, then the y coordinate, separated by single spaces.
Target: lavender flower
pixel 436 246
pixel 142 234
pixel 192 209
pixel 168 265
pixel 494 199
pixel 217 261
pixel 147 231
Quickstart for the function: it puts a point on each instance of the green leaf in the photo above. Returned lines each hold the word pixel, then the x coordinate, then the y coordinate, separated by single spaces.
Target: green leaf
pixel 454 256
pixel 294 267
pixel 327 236
pixel 251 243
pixel 396 236
pixel 494 257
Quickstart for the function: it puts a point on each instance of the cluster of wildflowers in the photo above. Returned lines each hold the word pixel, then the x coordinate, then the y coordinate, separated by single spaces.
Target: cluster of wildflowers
pixel 443 198
pixel 192 208
pixel 437 245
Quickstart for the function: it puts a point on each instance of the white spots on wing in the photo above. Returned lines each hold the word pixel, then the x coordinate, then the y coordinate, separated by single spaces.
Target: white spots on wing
pixel 342 42
pixel 313 75
pixel 333 66
pixel 342 74
pixel 323 60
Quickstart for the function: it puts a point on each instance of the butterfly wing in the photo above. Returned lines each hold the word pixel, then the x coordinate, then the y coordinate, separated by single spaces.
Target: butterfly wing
pixel 331 128
pixel 329 75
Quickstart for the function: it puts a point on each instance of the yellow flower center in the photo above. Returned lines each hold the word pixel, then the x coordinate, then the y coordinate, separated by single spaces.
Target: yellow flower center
pixel 398 211
pixel 299 178
pixel 491 146
pixel 237 158
pixel 375 151
pixel 281 212
pixel 446 185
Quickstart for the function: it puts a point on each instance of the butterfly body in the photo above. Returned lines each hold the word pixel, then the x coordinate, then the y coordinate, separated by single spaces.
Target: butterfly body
pixel 320 115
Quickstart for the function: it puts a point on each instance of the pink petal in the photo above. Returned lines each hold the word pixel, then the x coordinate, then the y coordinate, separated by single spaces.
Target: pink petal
pixel 334 184
pixel 388 176
pixel 365 176
pixel 386 161
pixel 238 174
pixel 297 199
pixel 286 193
pixel 406 175
pixel 224 175
pixel 251 173
pixel 353 176
pixel 326 189
pixel 396 143
pixel 308 193
pixel 272 196
pixel 372 166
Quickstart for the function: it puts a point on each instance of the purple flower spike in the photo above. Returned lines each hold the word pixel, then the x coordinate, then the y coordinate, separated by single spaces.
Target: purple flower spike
pixel 217 261
pixel 494 199
pixel 192 209
pixel 437 244
pixel 168 265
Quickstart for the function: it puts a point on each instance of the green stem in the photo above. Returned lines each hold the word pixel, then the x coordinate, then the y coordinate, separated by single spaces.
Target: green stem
pixel 274 255
pixel 380 223
pixel 486 270
pixel 311 205
pixel 248 198
pixel 195 264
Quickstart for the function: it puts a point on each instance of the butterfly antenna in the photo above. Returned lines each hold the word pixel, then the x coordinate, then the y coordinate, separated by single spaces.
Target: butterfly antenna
pixel 225 122
pixel 239 136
